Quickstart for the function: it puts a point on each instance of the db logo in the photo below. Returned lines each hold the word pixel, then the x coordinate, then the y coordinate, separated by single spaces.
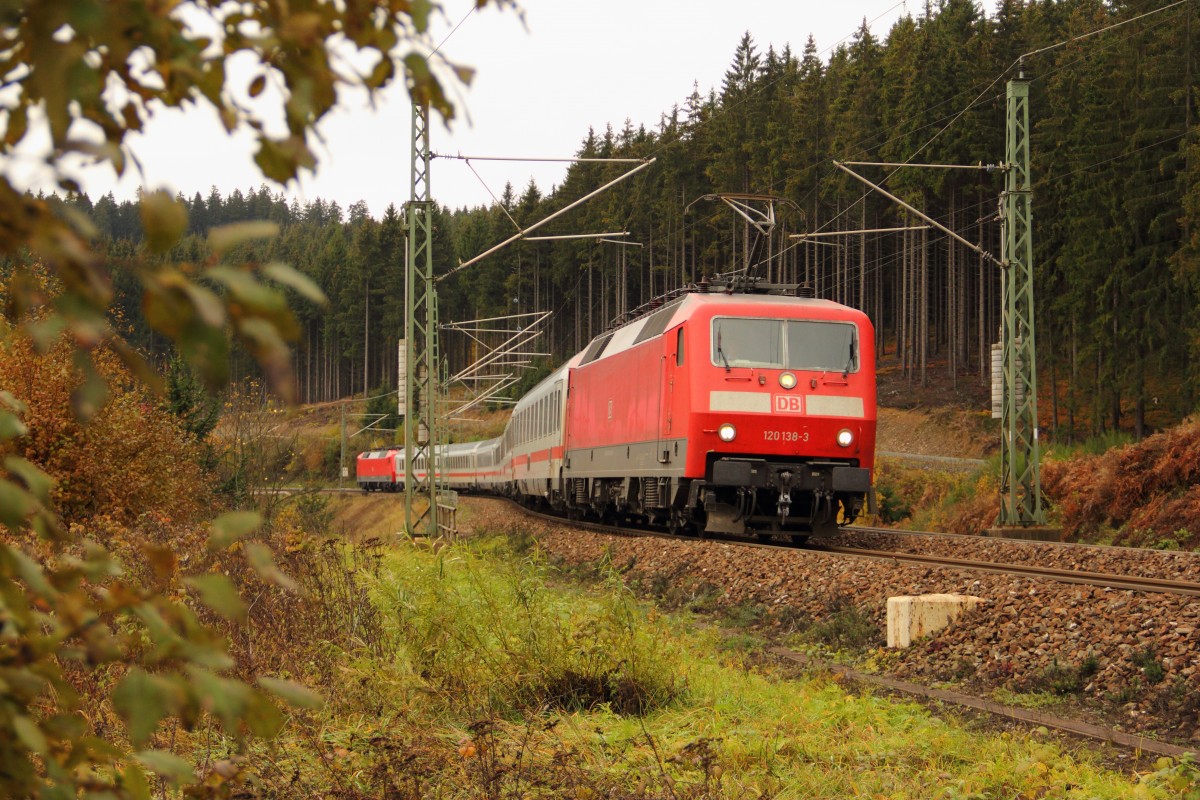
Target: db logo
pixel 789 404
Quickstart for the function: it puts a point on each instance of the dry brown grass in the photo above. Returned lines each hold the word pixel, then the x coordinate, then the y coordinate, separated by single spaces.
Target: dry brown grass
pixel 357 517
pixel 1144 491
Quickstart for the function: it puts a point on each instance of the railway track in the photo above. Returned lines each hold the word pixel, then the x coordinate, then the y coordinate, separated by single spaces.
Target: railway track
pixel 1134 583
pixel 1105 580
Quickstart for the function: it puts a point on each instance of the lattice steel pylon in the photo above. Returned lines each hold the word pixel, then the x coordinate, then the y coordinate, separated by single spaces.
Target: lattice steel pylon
pixel 421 439
pixel 1020 474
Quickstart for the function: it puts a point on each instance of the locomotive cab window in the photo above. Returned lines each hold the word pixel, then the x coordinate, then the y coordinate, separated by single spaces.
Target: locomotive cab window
pixel 812 345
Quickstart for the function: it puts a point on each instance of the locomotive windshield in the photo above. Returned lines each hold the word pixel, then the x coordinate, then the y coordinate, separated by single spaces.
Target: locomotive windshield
pixel 785 344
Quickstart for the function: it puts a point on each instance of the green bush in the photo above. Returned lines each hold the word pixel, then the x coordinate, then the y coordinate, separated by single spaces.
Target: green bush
pixel 844 626
pixel 1147 661
pixel 488 636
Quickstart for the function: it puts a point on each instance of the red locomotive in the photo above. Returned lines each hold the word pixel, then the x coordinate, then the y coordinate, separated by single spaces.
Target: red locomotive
pixel 741 409
pixel 381 470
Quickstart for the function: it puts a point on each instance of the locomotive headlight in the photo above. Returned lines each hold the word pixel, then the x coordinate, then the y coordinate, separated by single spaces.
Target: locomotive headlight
pixel 727 432
pixel 845 437
pixel 787 380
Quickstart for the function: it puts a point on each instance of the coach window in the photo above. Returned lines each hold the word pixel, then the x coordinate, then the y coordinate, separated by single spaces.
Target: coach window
pixel 679 347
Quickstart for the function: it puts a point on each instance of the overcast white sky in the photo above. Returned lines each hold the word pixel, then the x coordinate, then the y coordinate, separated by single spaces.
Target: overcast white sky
pixel 538 87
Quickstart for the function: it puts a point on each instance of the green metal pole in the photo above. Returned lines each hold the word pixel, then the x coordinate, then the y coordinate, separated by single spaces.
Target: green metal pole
pixel 420 334
pixel 1020 475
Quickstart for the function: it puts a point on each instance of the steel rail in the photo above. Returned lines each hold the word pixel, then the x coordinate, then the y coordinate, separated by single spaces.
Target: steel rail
pixel 1134 583
pixel 1103 579
pixel 1086 546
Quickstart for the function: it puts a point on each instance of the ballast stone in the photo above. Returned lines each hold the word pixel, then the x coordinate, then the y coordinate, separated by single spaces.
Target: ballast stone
pixel 910 617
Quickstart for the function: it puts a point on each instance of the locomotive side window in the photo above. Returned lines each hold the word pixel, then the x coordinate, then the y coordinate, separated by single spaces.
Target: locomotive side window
pixel 679 347
pixel 785 344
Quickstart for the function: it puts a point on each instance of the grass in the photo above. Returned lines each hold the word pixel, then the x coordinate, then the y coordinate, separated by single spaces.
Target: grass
pixel 1093 446
pixel 1033 700
pixel 486 682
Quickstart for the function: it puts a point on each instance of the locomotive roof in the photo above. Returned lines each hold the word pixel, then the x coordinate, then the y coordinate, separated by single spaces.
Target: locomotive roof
pixel 675 311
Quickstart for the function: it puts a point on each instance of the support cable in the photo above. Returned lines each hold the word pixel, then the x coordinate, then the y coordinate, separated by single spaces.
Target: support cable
pixel 522 234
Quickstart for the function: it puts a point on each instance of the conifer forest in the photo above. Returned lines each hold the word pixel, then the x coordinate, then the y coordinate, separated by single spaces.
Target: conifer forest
pixel 1116 210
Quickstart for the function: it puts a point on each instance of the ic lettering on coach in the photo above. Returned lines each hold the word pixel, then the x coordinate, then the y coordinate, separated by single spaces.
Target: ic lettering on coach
pixel 789 404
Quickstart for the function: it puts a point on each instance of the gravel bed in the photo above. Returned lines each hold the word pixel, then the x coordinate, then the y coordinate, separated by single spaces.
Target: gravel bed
pixel 1144 563
pixel 1126 658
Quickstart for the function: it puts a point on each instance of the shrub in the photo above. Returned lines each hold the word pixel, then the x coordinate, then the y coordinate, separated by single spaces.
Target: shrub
pixel 1141 490
pixel 1147 661
pixel 921 498
pixel 1063 679
pixel 490 638
pixel 844 626
pixel 132 458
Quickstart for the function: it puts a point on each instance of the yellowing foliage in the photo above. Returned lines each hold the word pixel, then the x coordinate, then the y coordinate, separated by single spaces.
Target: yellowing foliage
pixel 131 460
